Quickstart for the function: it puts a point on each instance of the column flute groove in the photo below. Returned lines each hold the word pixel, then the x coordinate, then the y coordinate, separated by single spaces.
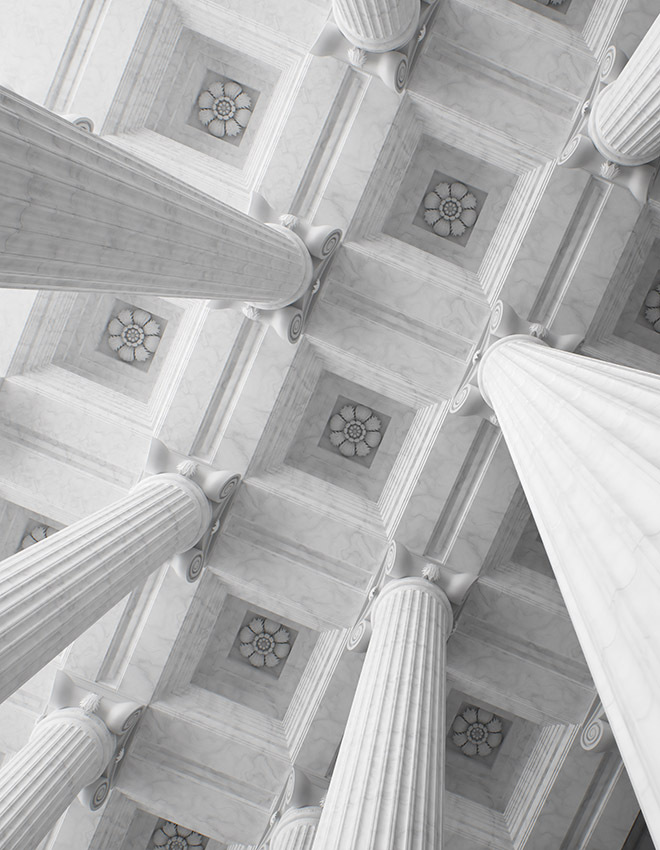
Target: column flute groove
pixel 67 750
pixel 583 435
pixel 121 226
pixel 386 790
pixel 625 119
pixel 51 592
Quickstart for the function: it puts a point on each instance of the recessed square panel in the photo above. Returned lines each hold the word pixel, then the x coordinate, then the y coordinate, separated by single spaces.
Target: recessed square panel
pixel 197 64
pixel 312 451
pixel 132 335
pixel 223 108
pixel 484 191
pixel 489 778
pixel 354 431
pixel 637 323
pixel 83 349
pixel 244 636
pixel 450 208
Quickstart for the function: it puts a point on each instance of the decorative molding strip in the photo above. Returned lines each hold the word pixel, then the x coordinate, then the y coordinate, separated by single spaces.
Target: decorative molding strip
pixel 479 824
pixel 452 345
pixel 76 55
pixel 309 694
pixel 465 490
pixel 144 70
pixel 568 257
pixel 329 145
pixel 536 781
pixel 293 551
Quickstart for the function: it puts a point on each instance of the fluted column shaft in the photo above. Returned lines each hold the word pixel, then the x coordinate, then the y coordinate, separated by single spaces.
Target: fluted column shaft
pixel 67 750
pixel 625 120
pixel 387 787
pixel 377 25
pixel 296 830
pixel 52 591
pixel 76 213
pixel 583 435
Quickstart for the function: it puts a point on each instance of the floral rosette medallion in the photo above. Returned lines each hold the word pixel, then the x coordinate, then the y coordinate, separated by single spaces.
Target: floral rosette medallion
pixel 264 643
pixel 355 430
pixel 224 108
pixel 652 308
pixel 476 732
pixel 450 209
pixel 170 836
pixel 133 335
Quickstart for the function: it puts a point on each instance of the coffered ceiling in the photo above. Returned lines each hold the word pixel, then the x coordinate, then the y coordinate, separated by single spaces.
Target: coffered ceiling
pixel 450 197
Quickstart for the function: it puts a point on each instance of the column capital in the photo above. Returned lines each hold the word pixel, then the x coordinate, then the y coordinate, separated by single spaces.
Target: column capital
pixel 186 485
pixel 93 726
pixel 486 357
pixel 419 584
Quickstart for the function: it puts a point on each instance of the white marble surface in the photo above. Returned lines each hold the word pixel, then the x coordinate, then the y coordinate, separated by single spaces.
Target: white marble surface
pixel 619 476
pixel 32 40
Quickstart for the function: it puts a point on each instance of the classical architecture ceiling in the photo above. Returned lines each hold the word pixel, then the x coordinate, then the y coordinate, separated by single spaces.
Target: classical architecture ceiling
pixel 450 197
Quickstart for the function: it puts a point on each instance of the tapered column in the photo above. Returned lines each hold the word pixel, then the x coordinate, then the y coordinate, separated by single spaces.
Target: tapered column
pixel 584 436
pixel 67 750
pixel 76 213
pixel 296 830
pixel 52 591
pixel 387 787
pixel 377 25
pixel 625 120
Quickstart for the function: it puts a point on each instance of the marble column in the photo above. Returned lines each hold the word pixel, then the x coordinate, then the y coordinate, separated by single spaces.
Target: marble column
pixel 78 214
pixel 377 25
pixel 624 123
pixel 296 830
pixel 387 787
pixel 67 750
pixel 583 435
pixel 52 591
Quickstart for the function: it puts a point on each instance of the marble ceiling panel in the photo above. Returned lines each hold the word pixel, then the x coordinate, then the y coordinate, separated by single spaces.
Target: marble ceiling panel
pixel 196 64
pixel 93 349
pixel 359 454
pixel 512 78
pixel 622 326
pixel 471 219
pixel 227 669
pixel 487 779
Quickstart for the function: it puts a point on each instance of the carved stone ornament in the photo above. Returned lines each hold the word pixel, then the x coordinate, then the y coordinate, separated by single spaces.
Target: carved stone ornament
pixel 355 430
pixel 652 308
pixel 224 108
pixel 476 732
pixel 264 643
pixel 450 209
pixel 34 535
pixel 174 837
pixel 133 335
